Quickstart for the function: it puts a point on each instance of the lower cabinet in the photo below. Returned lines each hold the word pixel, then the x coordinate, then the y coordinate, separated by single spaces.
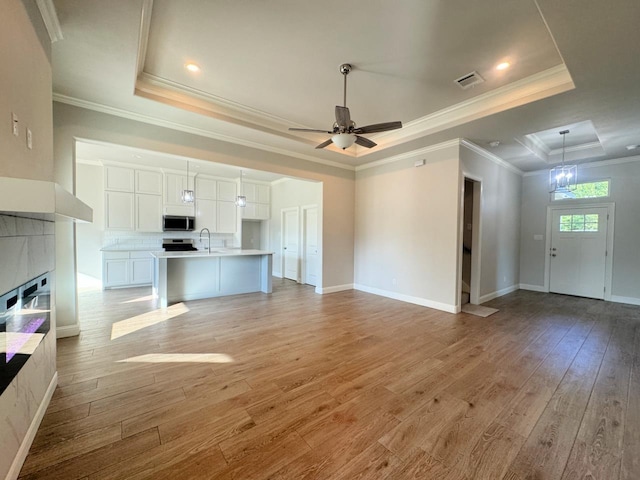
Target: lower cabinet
pixel 126 269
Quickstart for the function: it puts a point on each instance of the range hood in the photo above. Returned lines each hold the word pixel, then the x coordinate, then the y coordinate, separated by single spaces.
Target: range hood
pixel 19 195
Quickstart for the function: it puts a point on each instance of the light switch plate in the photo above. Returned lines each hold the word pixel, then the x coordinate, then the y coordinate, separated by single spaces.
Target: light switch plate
pixel 29 139
pixel 14 124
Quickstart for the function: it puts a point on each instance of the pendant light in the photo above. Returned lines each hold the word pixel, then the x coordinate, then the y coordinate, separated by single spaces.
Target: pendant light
pixel 564 178
pixel 187 194
pixel 241 200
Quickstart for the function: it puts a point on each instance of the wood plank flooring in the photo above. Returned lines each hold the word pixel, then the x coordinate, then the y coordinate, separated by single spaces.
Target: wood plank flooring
pixel 296 385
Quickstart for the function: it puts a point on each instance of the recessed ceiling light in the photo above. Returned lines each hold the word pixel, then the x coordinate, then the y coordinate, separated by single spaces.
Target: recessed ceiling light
pixel 192 67
pixel 503 66
pixel 632 147
pixel 137 156
pixel 494 143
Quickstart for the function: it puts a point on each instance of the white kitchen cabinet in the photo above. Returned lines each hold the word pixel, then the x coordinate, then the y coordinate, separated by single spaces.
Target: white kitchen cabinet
pixel 258 201
pixel 118 179
pixel 119 211
pixel 206 188
pixel 148 182
pixel 174 184
pixel 148 213
pixel 125 269
pixel 206 214
pixel 115 269
pixel 227 220
pixel 226 191
pixel 140 268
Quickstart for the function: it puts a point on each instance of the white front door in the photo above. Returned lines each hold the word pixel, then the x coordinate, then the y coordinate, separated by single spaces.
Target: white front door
pixel 311 246
pixel 578 251
pixel 290 248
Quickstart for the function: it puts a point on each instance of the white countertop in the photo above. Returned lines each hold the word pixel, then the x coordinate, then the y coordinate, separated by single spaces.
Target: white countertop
pixel 216 252
pixel 131 248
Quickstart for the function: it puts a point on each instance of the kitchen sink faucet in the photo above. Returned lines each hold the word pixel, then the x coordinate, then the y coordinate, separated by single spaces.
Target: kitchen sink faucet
pixel 208 235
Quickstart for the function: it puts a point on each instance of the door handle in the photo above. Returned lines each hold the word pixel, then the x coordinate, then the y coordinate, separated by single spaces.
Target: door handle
pixel 553 249
pixel 553 254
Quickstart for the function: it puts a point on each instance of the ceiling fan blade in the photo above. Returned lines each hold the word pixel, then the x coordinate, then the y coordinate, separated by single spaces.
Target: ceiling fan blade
pixel 343 117
pixel 378 127
pixel 309 130
pixel 324 144
pixel 365 142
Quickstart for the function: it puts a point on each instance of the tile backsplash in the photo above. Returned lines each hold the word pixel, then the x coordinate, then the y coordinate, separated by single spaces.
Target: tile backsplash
pixel 154 240
pixel 27 249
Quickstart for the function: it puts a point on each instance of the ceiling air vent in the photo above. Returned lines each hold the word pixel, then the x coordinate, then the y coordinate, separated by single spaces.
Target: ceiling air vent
pixel 469 80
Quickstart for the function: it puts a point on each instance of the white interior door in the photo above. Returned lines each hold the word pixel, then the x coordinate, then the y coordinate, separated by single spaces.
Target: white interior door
pixel 578 251
pixel 290 243
pixel 311 246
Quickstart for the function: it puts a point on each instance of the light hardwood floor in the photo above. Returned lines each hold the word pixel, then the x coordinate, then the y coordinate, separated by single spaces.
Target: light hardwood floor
pixel 296 385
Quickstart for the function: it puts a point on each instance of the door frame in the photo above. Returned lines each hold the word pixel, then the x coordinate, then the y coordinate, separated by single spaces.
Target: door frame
pixel 303 241
pixel 608 263
pixel 283 212
pixel 476 240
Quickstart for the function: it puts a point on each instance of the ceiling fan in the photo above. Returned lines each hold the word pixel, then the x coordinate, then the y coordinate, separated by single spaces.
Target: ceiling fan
pixel 345 132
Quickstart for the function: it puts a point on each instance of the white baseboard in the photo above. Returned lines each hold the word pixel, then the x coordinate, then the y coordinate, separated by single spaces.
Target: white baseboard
pixel 424 302
pixel 629 300
pixel 21 456
pixel 68 331
pixel 499 293
pixel 532 288
pixel 335 288
pixel 276 274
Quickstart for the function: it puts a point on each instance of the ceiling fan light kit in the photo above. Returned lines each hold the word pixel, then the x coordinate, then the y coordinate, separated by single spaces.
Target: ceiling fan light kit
pixel 345 132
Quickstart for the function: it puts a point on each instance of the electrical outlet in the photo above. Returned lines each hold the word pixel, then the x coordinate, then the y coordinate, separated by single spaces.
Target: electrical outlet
pixel 29 139
pixel 14 124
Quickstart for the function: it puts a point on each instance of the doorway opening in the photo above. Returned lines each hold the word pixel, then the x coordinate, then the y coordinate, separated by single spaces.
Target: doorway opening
pixel 470 245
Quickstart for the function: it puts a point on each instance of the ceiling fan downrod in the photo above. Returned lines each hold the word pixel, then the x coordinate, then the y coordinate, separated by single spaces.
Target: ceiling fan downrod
pixel 345 68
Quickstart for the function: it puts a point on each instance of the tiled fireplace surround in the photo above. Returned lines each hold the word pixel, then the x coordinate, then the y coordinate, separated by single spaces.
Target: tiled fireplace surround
pixel 27 249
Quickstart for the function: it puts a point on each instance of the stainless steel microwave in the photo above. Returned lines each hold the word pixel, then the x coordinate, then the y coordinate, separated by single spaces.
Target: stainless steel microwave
pixel 178 223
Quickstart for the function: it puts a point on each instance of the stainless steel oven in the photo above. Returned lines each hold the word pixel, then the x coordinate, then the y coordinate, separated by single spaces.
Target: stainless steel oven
pixel 25 317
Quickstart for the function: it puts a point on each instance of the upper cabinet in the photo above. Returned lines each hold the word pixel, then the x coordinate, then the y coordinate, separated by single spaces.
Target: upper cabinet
pixel 148 182
pixel 118 179
pixel 258 201
pixel 133 199
pixel 226 190
pixel 206 188
pixel 174 184
pixel 215 204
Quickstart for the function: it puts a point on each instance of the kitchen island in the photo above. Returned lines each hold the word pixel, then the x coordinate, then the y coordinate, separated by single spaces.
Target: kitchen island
pixel 180 276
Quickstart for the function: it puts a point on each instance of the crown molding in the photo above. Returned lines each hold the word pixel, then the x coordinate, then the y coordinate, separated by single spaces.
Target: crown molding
pixel 413 153
pixel 50 18
pixel 535 87
pixel 76 102
pixel 490 156
pixel 143 37
pixel 601 163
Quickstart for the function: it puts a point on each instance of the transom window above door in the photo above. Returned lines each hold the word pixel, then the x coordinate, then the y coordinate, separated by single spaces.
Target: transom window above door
pixel 579 223
pixel 598 189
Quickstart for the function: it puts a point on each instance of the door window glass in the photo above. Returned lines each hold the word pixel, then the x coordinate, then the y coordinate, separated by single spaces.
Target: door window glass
pixel 579 223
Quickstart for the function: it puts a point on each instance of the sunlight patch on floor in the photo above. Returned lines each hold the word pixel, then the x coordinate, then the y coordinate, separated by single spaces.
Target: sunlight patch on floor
pixel 179 358
pixel 133 324
pixel 87 283
pixel 140 299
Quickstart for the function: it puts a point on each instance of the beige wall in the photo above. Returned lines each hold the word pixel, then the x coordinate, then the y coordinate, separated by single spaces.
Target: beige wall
pixel 339 184
pixel 25 88
pixel 407 229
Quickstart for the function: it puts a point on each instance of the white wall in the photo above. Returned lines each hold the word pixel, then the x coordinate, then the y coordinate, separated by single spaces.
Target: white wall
pixel 625 185
pixel 499 223
pixel 285 194
pixel 407 228
pixel 89 236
